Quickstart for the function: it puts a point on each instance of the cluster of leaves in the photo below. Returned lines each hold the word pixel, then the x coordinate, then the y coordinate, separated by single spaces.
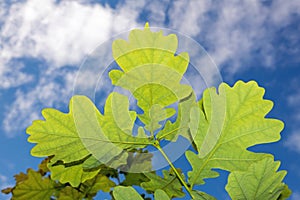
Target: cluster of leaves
pixel 88 151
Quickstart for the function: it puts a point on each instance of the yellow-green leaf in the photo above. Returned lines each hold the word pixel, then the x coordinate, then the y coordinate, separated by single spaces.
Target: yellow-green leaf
pixel 125 193
pixel 74 136
pixel 151 72
pixel 225 125
pixel 198 195
pixel 260 181
pixel 160 195
pixel 35 187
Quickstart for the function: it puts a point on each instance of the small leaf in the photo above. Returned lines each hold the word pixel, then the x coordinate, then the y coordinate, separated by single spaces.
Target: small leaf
pixel 134 179
pixel 160 195
pixel 7 190
pixel 73 175
pixel 260 181
pixel 35 187
pixel 170 184
pixel 125 193
pixel 69 193
pixel 225 124
pixel 100 182
pixel 20 177
pixel 43 168
pixel 285 194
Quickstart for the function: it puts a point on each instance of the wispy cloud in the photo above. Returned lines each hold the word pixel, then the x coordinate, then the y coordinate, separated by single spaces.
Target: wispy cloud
pixel 60 34
pixel 235 32
pixel 293 140
pixel 295 196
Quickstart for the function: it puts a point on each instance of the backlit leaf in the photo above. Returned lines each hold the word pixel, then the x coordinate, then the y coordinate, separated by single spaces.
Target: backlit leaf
pixel 84 131
pixel 125 193
pixel 151 72
pixel 225 125
pixel 260 181
pixel 181 125
pixel 160 195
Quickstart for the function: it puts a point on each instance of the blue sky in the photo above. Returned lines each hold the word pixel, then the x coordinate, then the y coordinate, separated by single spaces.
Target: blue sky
pixel 43 43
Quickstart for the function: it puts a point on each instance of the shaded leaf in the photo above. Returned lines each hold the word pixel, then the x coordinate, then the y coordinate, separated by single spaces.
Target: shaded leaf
pixel 7 190
pixel 169 183
pixel 100 182
pixel 198 195
pixel 69 193
pixel 225 125
pixel 73 175
pixel 260 181
pixel 21 177
pixel 285 194
pixel 134 179
pixel 35 187
pixel 43 168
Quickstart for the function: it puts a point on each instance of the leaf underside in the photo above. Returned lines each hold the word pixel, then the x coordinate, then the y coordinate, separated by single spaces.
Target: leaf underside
pixel 260 181
pixel 225 124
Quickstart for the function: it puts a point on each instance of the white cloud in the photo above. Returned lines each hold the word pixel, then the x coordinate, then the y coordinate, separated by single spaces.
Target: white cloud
pixel 293 141
pixel 61 34
pixel 294 99
pixel 295 196
pixel 27 105
pixel 234 31
pixel 58 33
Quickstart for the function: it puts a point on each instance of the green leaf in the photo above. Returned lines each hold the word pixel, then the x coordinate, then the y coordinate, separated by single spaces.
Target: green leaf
pixel 134 179
pixel 225 125
pixel 84 131
pixel 100 182
pixel 260 181
pixel 35 187
pixel 69 193
pixel 170 184
pixel 138 161
pixel 198 195
pixel 160 195
pixel 181 125
pixel 151 72
pixel 125 193
pixel 73 175
pixel 285 194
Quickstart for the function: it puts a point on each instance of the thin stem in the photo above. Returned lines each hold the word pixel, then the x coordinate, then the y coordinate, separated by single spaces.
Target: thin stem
pixel 157 145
